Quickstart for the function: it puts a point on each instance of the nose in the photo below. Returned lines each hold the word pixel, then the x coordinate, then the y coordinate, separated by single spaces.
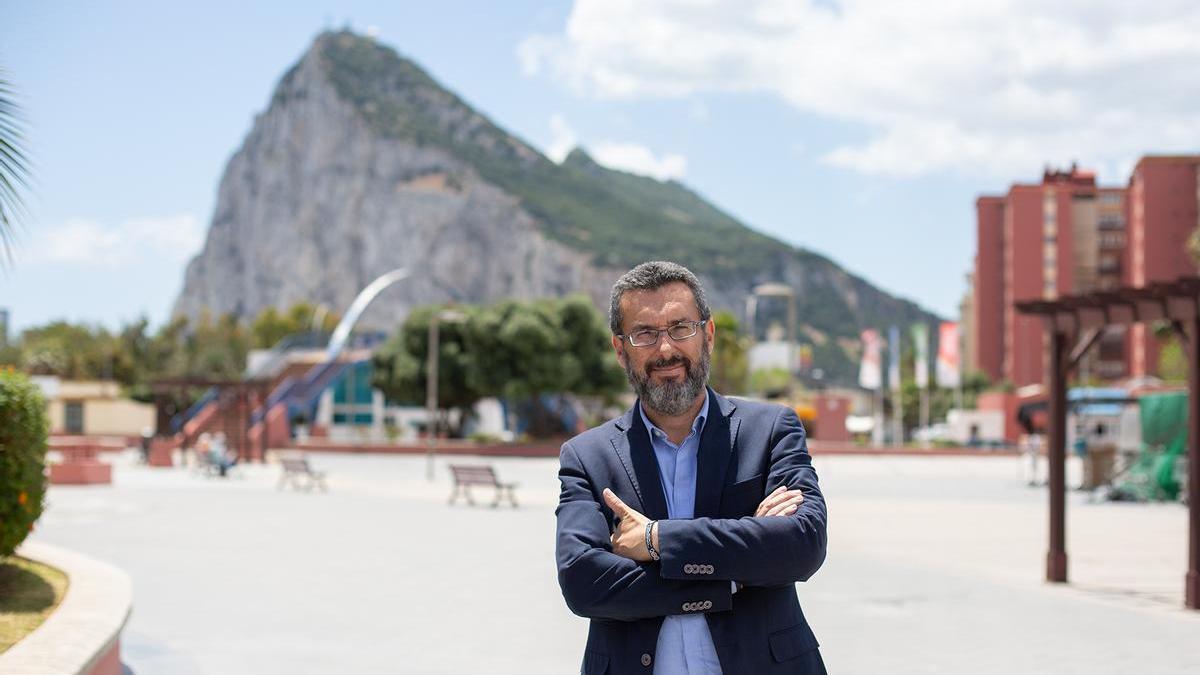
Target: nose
pixel 666 347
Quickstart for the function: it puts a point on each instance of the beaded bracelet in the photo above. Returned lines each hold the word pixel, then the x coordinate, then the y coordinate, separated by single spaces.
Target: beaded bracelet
pixel 650 542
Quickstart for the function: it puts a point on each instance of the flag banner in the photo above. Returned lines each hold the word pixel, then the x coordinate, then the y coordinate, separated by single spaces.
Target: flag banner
pixel 870 372
pixel 948 367
pixel 920 338
pixel 894 358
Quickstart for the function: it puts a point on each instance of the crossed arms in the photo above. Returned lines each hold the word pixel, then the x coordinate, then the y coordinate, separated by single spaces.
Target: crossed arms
pixel 607 574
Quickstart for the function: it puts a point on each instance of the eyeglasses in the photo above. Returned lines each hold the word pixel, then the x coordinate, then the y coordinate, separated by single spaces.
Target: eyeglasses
pixel 678 332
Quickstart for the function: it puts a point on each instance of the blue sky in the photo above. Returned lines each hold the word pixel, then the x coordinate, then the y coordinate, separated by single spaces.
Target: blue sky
pixel 862 130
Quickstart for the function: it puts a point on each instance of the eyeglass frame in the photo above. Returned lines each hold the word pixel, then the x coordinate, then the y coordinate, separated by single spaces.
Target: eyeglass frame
pixel 659 332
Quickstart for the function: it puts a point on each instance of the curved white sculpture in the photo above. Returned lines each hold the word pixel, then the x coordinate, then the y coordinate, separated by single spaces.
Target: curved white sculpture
pixel 341 334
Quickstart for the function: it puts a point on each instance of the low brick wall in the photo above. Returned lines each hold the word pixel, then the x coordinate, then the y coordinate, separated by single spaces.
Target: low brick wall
pixel 83 635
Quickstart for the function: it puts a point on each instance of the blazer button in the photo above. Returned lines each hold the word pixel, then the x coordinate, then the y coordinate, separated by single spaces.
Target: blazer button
pixel 647 659
pixel 689 568
pixel 708 569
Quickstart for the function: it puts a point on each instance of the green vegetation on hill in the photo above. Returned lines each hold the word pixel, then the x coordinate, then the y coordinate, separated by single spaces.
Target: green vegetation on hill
pixel 619 219
pixel 616 217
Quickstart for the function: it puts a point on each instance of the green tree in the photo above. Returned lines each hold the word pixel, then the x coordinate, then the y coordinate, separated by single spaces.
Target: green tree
pixel 514 350
pixel 271 325
pixel 400 365
pixel 770 382
pixel 731 355
pixel 1172 364
pixel 72 351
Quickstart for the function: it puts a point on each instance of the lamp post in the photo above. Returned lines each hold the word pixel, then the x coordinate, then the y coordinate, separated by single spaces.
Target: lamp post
pixel 431 385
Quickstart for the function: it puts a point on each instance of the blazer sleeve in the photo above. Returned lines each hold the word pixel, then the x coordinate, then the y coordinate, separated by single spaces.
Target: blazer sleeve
pixel 599 584
pixel 757 551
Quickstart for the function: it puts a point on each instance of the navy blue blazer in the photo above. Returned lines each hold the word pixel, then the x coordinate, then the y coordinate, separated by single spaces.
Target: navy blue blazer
pixel 747 449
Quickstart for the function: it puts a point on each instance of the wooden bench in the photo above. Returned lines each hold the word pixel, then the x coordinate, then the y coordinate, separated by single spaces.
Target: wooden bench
pixel 466 476
pixel 296 467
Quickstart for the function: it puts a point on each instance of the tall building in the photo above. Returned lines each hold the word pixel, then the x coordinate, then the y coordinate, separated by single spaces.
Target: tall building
pixel 1164 192
pixel 1061 236
pixel 985 351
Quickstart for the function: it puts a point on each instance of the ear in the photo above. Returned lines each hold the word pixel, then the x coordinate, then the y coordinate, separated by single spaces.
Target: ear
pixel 619 347
pixel 710 330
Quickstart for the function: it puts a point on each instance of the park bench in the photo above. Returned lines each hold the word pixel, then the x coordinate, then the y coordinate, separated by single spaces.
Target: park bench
pixel 466 476
pixel 295 468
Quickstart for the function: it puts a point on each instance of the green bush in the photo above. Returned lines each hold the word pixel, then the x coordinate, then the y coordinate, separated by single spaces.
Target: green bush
pixel 22 458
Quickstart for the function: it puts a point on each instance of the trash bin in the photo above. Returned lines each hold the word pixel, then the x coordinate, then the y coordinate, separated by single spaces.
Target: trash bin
pixel 1098 465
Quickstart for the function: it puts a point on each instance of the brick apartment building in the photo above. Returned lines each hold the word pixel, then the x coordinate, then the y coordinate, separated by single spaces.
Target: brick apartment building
pixel 1067 235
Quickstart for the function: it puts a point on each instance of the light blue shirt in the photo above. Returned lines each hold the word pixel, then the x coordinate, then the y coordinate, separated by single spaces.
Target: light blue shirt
pixel 685 644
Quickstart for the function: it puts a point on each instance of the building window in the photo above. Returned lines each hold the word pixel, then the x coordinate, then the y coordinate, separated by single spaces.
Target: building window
pixel 73 417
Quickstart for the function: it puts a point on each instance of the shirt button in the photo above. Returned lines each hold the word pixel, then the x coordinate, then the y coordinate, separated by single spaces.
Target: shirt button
pixel 647 660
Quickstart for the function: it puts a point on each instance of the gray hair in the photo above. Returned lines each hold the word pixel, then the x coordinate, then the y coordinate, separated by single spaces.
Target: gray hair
pixel 650 276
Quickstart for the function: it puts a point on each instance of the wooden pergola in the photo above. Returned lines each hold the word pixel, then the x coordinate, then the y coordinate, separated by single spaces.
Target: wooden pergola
pixel 1075 324
pixel 235 400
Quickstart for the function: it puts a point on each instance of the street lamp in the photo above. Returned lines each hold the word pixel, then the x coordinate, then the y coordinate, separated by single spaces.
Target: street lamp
pixel 431 384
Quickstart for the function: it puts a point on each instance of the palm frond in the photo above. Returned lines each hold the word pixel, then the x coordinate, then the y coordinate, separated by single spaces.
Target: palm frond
pixel 14 170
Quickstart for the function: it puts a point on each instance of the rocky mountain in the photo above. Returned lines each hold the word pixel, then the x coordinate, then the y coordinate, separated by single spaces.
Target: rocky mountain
pixel 362 163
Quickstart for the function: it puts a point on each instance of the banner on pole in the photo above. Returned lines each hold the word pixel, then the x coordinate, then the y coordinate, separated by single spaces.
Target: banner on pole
pixel 949 368
pixel 920 338
pixel 894 358
pixel 870 373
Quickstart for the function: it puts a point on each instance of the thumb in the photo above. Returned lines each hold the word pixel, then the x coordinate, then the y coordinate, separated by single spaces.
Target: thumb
pixel 614 502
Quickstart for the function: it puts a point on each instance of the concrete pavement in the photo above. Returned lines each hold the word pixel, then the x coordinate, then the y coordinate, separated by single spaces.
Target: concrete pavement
pixel 935 566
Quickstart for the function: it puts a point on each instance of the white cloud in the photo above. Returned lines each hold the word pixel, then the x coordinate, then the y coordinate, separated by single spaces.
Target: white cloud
pixel 83 241
pixel 619 155
pixel 994 86
pixel 639 159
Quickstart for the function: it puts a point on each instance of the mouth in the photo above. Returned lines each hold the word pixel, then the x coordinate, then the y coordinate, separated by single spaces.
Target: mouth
pixel 672 370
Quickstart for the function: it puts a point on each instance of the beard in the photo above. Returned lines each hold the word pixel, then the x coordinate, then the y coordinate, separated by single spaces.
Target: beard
pixel 670 397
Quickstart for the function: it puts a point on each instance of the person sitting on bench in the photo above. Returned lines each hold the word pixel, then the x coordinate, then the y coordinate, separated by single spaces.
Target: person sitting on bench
pixel 220 456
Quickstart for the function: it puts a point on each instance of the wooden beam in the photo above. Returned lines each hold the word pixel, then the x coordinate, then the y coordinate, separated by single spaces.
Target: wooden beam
pixel 1192 578
pixel 1086 342
pixel 1181 308
pixel 1151 309
pixel 1065 321
pixel 1056 436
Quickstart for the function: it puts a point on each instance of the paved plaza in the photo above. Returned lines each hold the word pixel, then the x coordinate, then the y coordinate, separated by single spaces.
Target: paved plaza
pixel 935 566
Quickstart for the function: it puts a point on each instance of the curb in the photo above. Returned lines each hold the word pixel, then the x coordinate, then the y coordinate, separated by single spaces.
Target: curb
pixel 83 635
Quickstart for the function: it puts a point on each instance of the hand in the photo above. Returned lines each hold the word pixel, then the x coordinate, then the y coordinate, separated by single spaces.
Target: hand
pixel 781 502
pixel 629 539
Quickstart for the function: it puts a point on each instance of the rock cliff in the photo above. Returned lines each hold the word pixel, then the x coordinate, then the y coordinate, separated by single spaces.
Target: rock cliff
pixel 362 163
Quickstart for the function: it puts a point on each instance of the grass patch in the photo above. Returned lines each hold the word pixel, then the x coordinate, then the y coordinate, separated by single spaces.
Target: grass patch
pixel 29 592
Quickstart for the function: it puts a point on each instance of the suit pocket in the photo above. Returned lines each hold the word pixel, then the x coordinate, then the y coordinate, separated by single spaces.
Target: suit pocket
pixel 792 642
pixel 594 663
pixel 742 498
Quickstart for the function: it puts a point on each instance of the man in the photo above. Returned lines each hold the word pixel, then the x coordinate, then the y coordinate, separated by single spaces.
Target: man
pixel 684 525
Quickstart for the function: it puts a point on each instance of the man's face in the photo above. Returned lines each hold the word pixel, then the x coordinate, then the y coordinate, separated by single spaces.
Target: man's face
pixel 669 375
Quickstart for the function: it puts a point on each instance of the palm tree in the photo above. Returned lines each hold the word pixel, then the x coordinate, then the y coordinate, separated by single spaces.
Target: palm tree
pixel 14 169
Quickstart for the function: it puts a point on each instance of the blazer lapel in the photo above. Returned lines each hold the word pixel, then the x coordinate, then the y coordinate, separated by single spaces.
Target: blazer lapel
pixel 716 450
pixel 633 448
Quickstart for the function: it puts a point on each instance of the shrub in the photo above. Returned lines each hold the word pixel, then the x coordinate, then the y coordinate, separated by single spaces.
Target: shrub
pixel 22 458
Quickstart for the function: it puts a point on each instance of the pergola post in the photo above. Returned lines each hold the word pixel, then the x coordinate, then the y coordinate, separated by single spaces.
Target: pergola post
pixel 1056 557
pixel 1192 579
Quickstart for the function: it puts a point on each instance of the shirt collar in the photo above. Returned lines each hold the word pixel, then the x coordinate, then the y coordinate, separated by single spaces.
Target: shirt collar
pixel 697 424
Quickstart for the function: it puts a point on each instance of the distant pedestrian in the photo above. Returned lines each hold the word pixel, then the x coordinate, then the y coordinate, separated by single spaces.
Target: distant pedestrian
pixel 1031 448
pixel 220 455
